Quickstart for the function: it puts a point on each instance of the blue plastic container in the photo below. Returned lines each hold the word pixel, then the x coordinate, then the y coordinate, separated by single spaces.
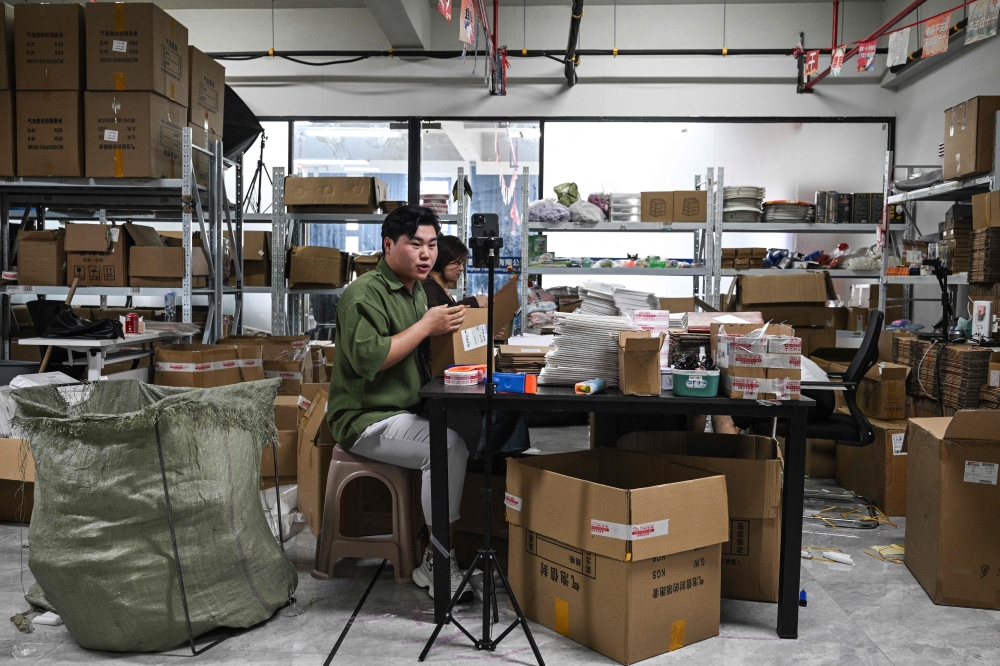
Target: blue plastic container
pixel 696 383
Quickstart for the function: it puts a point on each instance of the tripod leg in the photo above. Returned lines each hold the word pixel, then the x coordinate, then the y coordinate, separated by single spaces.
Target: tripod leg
pixel 520 616
pixel 451 605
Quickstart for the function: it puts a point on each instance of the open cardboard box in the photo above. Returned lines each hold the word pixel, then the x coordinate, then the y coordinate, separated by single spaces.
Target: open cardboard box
pixel 13 506
pixel 468 345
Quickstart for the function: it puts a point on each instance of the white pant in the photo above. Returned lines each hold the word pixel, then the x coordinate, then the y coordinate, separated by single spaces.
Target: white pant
pixel 405 440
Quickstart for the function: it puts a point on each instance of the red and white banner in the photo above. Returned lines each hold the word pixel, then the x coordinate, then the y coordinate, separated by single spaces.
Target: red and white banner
pixel 444 8
pixel 936 35
pixel 837 62
pixel 467 23
pixel 866 56
pixel 812 63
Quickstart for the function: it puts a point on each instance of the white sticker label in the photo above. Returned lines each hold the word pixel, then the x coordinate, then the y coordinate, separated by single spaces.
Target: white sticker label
pixel 474 338
pixel 20 289
pixel 630 532
pixel 980 472
pixel 260 252
pixel 135 291
pixel 111 135
pixel 995 378
pixel 512 501
pixel 114 233
pixel 119 45
pixel 531 351
pixel 303 402
pixel 897 443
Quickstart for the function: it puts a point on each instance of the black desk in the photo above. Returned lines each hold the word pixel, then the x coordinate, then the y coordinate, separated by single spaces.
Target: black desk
pixel 562 398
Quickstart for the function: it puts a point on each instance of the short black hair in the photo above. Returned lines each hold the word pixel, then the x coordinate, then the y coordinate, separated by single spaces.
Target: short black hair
pixel 406 220
pixel 450 248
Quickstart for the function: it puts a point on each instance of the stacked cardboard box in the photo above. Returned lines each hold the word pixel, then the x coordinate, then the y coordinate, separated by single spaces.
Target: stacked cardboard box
pixel 989 398
pixel 8 137
pixel 743 257
pixel 768 367
pixel 315 451
pixel 97 255
pixel 581 544
pixel 959 371
pixel 334 194
pixel 877 471
pixel 287 415
pixel 195 365
pixel 986 210
pixel 285 357
pixel 256 259
pixel 316 266
pixel 680 206
pixel 968 137
pixel 952 499
pixel 882 392
pixel 41 258
pixel 49 76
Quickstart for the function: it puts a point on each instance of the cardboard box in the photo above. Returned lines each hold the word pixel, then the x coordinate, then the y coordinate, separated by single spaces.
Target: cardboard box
pixel 197 366
pixel 49 132
pixel 821 458
pixel 206 101
pixel 657 207
pixel 986 210
pixel 639 362
pixel 877 471
pixel 286 411
pixel 752 467
pixel 952 504
pixel 137 47
pixel 364 263
pixel 968 137
pixel 467 346
pixel 730 252
pixel 48 46
pixel 603 547
pixel 251 363
pixel 16 504
pixel 257 258
pixel 7 48
pixel 41 258
pixel 287 456
pixel 313 265
pixel 292 366
pixel 132 135
pixel 677 304
pixel 335 194
pixel 994 376
pixel 315 453
pixel 760 290
pixel 97 254
pixel 690 206
pixel 8 135
pixel 741 264
pixel 882 392
pixel 162 266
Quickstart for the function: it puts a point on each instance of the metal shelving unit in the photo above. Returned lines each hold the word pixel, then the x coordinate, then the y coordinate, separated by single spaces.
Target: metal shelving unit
pixel 872 276
pixel 664 272
pixel 141 200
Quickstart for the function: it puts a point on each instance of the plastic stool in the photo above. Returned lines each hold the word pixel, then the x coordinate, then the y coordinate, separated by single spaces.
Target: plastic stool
pixel 400 547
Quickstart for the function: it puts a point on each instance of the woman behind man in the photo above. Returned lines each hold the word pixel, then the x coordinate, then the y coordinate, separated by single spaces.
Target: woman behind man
pixel 452 255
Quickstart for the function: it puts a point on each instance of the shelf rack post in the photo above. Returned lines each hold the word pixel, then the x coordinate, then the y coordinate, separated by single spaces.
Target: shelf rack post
pixel 278 244
pixel 461 207
pixel 522 277
pixel 884 236
pixel 188 193
pixel 215 229
pixel 238 242
pixel 5 265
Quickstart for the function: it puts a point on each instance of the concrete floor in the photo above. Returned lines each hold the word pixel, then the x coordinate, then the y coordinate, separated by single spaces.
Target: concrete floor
pixel 872 613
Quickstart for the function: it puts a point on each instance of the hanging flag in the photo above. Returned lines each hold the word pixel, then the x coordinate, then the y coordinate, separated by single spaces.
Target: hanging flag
pixel 982 20
pixel 812 63
pixel 467 23
pixel 515 215
pixel 899 47
pixel 444 7
pixel 866 56
pixel 837 62
pixel 936 35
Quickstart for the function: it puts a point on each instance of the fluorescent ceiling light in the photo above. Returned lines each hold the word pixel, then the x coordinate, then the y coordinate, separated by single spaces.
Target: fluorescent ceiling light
pixel 360 169
pixel 323 162
pixel 357 132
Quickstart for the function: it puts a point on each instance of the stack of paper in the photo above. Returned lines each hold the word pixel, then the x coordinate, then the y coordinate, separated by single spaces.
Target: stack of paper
pixel 742 204
pixel 789 211
pixel 679 320
pixel 586 348
pixel 598 298
pixel 516 358
pixel 628 301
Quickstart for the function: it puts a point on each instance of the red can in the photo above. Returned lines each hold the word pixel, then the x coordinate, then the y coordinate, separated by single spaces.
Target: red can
pixel 131 323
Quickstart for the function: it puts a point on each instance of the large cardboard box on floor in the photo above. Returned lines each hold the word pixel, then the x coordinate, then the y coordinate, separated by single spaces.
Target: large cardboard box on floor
pixel 97 254
pixel 8 135
pixel 316 266
pixel 877 471
pixel 639 362
pixel 16 504
pixel 287 450
pixel 968 137
pixel 206 102
pixel 196 365
pixel 952 504
pixel 467 346
pixel 132 135
pixel 752 467
pixel 617 550
pixel 337 194
pixel 48 46
pixel 41 258
pixel 137 46
pixel 49 133
pixel 314 455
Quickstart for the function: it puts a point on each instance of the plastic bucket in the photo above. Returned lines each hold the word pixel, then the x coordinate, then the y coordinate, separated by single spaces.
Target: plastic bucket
pixel 696 383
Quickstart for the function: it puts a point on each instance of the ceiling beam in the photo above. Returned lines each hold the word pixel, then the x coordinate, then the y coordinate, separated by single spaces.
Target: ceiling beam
pixel 405 23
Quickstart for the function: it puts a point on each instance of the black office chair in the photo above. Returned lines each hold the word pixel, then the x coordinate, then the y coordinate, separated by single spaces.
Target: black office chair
pixel 851 429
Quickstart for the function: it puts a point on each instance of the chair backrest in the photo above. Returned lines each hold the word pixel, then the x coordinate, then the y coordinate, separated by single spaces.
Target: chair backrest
pixel 863 361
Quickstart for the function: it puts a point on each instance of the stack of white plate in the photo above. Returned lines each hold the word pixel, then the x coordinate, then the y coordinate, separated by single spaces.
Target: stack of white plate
pixel 742 203
pixel 789 211
pixel 586 348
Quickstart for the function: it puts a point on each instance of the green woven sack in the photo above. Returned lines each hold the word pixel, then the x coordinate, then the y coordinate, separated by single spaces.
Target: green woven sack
pixel 567 193
pixel 100 541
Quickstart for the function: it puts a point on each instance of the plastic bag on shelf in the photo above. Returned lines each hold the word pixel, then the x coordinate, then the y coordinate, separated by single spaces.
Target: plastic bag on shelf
pixel 586 213
pixel 567 193
pixel 602 201
pixel 548 210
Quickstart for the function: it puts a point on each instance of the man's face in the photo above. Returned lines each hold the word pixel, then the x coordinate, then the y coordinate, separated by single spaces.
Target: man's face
pixel 412 258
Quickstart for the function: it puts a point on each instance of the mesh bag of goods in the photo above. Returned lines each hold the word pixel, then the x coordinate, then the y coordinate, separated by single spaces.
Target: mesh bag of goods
pixel 101 549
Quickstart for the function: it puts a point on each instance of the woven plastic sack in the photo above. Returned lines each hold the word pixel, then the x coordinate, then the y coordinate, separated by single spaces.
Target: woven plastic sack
pixel 567 193
pixel 586 213
pixel 547 210
pixel 101 547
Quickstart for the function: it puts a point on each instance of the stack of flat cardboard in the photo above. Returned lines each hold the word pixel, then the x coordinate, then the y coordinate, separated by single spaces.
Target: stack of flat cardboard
pixel 985 265
pixel 921 359
pixel 957 235
pixel 989 398
pixel 964 371
pixel 516 358
pixel 685 342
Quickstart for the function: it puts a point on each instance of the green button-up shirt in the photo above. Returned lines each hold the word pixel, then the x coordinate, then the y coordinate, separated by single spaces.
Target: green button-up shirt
pixel 372 309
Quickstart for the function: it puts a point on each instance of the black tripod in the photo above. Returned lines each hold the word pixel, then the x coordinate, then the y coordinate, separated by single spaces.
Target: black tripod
pixel 947 313
pixel 485 250
pixel 258 180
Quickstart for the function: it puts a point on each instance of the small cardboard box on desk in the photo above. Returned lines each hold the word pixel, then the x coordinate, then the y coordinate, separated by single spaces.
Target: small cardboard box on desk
pixel 314 455
pixel 952 504
pixel 752 467
pixel 639 362
pixel 467 346
pixel 14 507
pixel 616 550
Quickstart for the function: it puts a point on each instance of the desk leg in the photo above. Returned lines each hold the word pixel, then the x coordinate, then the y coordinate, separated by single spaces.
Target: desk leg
pixel 94 365
pixel 791 527
pixel 440 512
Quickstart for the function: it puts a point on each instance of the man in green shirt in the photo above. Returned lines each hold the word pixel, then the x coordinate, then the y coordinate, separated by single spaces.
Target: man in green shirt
pixel 381 363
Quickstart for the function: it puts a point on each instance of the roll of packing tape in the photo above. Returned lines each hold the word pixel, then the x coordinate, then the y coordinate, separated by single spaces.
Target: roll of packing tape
pixel 461 377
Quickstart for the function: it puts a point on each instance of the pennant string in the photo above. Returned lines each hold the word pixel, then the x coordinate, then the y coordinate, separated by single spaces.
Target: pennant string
pixel 915 23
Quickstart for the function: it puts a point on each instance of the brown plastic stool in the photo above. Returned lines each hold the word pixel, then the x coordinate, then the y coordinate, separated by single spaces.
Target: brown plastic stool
pixel 400 547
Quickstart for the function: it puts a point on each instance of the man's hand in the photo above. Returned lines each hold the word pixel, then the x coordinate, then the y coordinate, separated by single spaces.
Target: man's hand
pixel 483 301
pixel 443 319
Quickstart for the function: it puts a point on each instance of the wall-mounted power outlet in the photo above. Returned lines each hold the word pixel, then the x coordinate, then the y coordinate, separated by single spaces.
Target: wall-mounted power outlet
pixel 982 319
